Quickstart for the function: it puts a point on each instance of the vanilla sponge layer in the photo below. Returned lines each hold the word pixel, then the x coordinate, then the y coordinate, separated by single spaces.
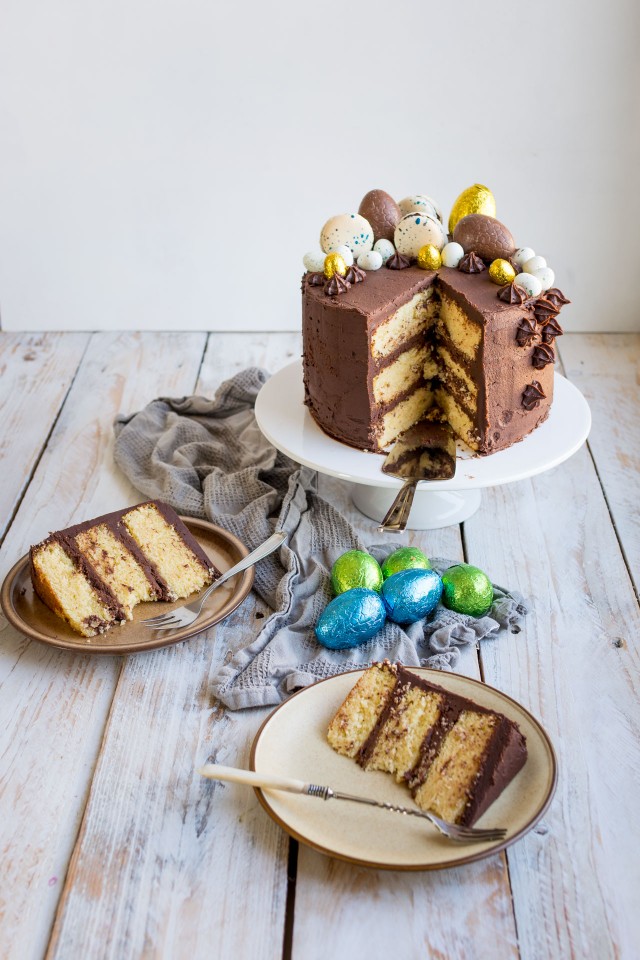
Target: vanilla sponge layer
pixel 410 320
pixel 116 566
pixel 67 591
pixel 400 375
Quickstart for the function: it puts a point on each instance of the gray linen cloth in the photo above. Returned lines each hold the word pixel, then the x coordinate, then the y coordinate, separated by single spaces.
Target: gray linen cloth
pixel 208 459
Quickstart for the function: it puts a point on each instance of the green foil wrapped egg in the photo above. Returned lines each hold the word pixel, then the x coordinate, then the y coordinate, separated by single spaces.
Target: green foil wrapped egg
pixel 355 568
pixel 467 589
pixel 405 558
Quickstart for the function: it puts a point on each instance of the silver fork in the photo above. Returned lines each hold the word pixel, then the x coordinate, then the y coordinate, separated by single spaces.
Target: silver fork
pixel 452 831
pixel 185 615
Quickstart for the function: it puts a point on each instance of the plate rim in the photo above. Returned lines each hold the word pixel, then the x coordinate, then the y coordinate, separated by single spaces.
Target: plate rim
pixel 414 868
pixel 23 627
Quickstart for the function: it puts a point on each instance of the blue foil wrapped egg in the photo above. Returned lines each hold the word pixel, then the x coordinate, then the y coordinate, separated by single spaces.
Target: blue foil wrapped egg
pixel 350 619
pixel 411 594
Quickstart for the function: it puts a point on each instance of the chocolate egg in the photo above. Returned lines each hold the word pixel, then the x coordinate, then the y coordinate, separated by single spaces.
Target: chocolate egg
pixel 351 619
pixel 486 236
pixel 415 231
pixel 355 568
pixel 382 212
pixel 467 589
pixel 405 558
pixel 501 272
pixel 349 229
pixel 475 199
pixel 411 595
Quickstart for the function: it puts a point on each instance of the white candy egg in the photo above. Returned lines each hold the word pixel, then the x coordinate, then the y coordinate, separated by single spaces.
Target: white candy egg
pixel 415 230
pixel 345 253
pixel 314 261
pixel 533 264
pixel 452 254
pixel 385 248
pixel 371 260
pixel 347 230
pixel 522 255
pixel 529 283
pixel 546 276
pixel 420 203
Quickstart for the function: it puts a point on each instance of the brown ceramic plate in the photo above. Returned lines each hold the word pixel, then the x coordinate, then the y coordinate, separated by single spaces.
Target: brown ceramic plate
pixel 28 614
pixel 292 743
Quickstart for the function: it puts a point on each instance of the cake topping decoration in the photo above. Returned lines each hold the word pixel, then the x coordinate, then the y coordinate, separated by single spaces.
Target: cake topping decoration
pixel 544 310
pixel 313 261
pixel 529 283
pixel 471 263
pixel 334 263
pixel 526 332
pixel 371 260
pixel 420 203
pixel 316 279
pixel 355 274
pixel 532 395
pixel 521 256
pixel 382 212
pixel 501 272
pixel 554 295
pixel 336 285
pixel 415 230
pixel 475 199
pixel 512 293
pixel 385 248
pixel 551 330
pixel 487 236
pixel 452 254
pixel 542 355
pixel 429 257
pixel 398 261
pixel 347 229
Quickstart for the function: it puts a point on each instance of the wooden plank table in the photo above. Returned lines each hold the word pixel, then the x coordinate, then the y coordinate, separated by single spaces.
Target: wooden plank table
pixel 111 847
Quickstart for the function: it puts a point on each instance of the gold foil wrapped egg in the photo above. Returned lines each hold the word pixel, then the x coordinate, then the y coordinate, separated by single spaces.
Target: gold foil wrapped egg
pixel 334 263
pixel 475 199
pixel 429 257
pixel 502 272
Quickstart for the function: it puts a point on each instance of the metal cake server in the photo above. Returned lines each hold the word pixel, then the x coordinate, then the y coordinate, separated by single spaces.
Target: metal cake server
pixel 267 781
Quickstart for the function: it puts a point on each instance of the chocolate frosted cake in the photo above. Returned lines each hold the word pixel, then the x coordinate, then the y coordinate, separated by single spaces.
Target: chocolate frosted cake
pixel 455 756
pixel 431 322
pixel 93 574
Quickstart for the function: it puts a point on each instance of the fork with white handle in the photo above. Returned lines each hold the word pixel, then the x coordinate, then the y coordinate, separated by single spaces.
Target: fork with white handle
pixel 452 831
pixel 185 615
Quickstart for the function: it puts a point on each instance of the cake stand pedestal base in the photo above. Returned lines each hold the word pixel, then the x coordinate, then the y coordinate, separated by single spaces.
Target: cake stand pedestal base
pixel 431 509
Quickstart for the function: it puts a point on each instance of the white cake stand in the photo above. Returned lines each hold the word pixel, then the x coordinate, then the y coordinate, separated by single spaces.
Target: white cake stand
pixel 288 425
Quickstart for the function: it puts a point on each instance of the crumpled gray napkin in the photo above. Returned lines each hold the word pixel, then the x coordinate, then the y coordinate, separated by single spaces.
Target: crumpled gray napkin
pixel 208 459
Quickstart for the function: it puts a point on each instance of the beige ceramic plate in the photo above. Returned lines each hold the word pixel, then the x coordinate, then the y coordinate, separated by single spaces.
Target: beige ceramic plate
pixel 24 609
pixel 292 743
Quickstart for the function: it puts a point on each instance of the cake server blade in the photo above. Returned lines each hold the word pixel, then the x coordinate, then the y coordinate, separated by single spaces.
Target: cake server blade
pixel 420 467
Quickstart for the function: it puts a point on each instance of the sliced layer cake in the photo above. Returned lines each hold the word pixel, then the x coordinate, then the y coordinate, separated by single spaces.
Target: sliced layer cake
pixel 93 574
pixel 455 755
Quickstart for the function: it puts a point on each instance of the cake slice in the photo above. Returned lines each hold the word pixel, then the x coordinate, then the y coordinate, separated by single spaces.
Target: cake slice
pixel 456 756
pixel 93 574
pixel 426 451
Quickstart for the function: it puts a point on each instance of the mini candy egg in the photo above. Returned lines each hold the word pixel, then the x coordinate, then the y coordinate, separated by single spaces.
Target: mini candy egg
pixel 405 558
pixel 467 589
pixel 529 283
pixel 501 272
pixel 370 261
pixel 533 264
pixel 452 254
pixel 347 229
pixel 382 212
pixel 411 595
pixel 333 263
pixel 419 203
pixel 355 568
pixel 415 231
pixel 351 619
pixel 429 257
pixel 345 253
pixel 385 248
pixel 546 276
pixel 521 256
pixel 314 261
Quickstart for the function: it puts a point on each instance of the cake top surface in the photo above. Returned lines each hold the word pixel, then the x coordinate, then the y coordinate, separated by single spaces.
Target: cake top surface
pixel 382 290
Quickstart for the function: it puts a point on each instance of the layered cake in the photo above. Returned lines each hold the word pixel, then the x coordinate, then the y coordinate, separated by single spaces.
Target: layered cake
pixel 93 574
pixel 455 756
pixel 462 321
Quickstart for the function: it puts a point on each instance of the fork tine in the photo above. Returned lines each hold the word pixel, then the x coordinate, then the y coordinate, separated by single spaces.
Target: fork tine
pixel 172 625
pixel 159 619
pixel 168 622
pixel 482 834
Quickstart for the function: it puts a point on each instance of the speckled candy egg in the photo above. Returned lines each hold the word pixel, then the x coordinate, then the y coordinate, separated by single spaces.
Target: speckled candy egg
pixel 345 253
pixel 405 558
pixel 314 261
pixel 355 568
pixel 452 254
pixel 485 235
pixel 411 595
pixel 529 283
pixel 533 264
pixel 467 589
pixel 420 203
pixel 382 212
pixel 385 248
pixel 351 619
pixel 546 276
pixel 416 230
pixel 521 256
pixel 372 260
pixel 347 229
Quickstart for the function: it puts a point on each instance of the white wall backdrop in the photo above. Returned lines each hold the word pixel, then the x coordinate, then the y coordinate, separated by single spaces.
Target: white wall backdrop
pixel 164 164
